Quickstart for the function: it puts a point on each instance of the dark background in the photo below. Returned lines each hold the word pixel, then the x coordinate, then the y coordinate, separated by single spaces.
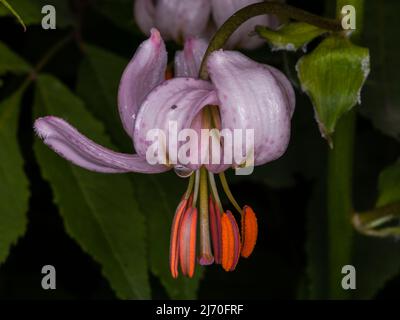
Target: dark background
pixel 277 269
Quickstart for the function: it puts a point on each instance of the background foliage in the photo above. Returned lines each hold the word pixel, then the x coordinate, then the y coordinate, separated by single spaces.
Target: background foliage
pixel 108 235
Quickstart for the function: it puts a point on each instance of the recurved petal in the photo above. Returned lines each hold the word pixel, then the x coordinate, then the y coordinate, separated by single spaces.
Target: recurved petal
pixel 188 61
pixel 251 98
pixel 170 108
pixel 144 72
pixel 144 12
pixel 179 19
pixel 223 9
pixel 66 141
pixel 286 86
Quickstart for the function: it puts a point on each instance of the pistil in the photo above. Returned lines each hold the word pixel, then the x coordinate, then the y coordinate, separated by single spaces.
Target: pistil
pixel 206 256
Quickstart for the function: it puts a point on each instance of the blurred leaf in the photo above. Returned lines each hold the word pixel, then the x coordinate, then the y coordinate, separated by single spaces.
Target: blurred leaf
pixel 31 11
pixel 11 62
pixel 98 81
pixel 11 9
pixel 382 96
pixel 119 12
pixel 377 260
pixel 290 37
pixel 14 192
pixel 100 211
pixel 333 75
pixel 389 185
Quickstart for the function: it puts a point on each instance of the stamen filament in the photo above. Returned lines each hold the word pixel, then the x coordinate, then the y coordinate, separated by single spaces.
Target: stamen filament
pixel 206 256
pixel 228 192
pixel 214 190
pixel 196 187
pixel 189 188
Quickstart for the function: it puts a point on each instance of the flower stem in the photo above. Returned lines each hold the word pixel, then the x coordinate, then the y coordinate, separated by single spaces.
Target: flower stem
pixel 339 192
pixel 339 203
pixel 257 9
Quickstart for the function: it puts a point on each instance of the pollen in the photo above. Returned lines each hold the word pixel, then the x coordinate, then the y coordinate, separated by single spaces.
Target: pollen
pixel 230 242
pixel 249 231
pixel 174 243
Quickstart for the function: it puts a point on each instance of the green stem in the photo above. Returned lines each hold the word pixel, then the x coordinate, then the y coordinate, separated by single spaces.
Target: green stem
pixel 257 9
pixel 339 203
pixel 339 196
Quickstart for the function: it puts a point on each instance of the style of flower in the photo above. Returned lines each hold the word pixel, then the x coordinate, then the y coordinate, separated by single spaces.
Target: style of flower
pixel 241 94
pixel 178 20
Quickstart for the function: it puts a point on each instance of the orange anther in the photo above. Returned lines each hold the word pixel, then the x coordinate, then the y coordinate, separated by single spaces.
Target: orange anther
pixel 249 231
pixel 230 242
pixel 174 243
pixel 187 242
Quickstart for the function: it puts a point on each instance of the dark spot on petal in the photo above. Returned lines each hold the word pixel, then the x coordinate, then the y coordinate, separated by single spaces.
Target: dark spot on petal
pixel 174 107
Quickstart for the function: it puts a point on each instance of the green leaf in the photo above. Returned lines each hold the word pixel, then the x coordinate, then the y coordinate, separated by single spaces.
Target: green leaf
pixel 98 81
pixel 11 62
pixel 11 9
pixel 290 37
pixel 333 75
pixel 100 211
pixel 31 11
pixel 389 185
pixel 14 191
pixel 382 96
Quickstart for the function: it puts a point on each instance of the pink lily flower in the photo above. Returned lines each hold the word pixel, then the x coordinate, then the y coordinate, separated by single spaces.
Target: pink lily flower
pixel 176 19
pixel 241 94
pixel 180 19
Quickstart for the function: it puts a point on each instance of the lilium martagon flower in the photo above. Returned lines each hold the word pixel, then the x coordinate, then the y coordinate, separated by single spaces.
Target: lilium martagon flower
pixel 241 94
pixel 178 20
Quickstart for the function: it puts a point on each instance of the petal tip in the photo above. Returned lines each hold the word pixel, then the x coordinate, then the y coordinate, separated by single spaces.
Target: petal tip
pixel 155 36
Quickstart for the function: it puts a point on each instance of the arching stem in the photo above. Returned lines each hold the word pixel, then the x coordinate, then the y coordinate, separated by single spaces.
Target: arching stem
pixel 257 9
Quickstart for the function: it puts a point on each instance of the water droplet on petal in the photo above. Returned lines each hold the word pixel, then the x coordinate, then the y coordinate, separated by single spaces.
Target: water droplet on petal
pixel 182 171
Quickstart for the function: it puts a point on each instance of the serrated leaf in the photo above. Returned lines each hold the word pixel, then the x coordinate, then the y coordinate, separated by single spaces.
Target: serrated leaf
pixel 290 37
pixel 389 185
pixel 14 191
pixel 332 76
pixel 31 11
pixel 11 62
pixel 100 211
pixel 382 96
pixel 98 81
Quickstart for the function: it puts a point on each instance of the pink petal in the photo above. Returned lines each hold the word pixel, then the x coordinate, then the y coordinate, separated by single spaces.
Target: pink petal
pixel 179 19
pixel 188 61
pixel 223 9
pixel 144 72
pixel 75 147
pixel 178 100
pixel 251 98
pixel 144 12
pixel 286 87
